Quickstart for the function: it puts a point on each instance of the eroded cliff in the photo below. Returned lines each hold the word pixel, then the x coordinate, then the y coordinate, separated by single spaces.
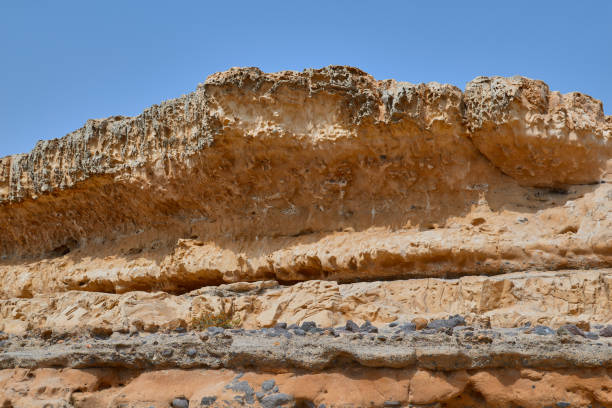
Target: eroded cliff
pixel 325 196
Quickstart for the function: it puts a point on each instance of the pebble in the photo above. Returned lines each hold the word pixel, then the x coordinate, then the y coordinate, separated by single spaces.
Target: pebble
pixel 271 332
pixel 207 401
pixel 293 326
pixel 368 327
pixel 180 402
pixel 276 400
pixel 268 385
pixel 606 331
pixel 570 329
pixel 309 326
pixel 167 353
pixel 280 325
pixel 543 331
pixel 191 352
pixel 420 323
pixel 453 321
pixel 215 330
pixel 393 324
pixel 392 404
pixel 408 327
pixel 351 326
pixel 299 332
pixel 243 387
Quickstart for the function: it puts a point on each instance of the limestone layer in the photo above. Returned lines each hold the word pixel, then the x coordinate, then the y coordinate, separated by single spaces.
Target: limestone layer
pixel 544 298
pixel 320 174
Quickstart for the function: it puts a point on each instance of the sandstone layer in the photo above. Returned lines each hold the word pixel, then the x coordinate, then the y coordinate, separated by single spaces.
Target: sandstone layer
pixel 427 246
pixel 323 174
pixel 537 298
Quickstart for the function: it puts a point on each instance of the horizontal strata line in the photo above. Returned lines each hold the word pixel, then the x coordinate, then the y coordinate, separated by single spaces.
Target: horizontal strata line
pixel 605 268
pixel 461 349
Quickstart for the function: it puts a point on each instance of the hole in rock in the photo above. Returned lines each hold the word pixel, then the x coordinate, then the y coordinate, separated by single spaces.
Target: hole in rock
pixel 478 221
pixel 570 229
pixel 64 249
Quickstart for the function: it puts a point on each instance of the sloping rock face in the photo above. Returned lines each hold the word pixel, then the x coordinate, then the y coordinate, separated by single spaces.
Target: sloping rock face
pixel 322 196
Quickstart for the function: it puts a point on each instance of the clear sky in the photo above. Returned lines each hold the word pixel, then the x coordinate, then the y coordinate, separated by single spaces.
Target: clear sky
pixel 63 62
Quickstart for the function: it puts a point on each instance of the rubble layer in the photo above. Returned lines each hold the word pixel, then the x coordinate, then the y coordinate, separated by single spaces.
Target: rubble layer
pixel 453 368
pixel 444 349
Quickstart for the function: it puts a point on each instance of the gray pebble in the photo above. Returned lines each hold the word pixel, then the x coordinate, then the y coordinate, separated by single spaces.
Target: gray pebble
pixel 407 327
pixel 351 326
pixel 215 330
pixel 570 329
pixel 180 402
pixel 453 321
pixel 368 327
pixel 276 400
pixel 245 388
pixel 268 385
pixel 191 352
pixel 591 335
pixel 299 332
pixel 309 326
pixel 543 331
pixel 207 401
pixel 606 331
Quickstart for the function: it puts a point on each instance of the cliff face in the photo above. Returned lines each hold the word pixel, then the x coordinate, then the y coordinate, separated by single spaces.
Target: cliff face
pixel 323 195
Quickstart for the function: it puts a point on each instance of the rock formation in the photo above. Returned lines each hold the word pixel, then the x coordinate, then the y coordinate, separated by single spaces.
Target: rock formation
pixel 370 243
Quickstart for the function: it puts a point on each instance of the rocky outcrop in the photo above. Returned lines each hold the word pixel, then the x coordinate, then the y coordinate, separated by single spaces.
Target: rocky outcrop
pixel 537 298
pixel 359 212
pixel 359 388
pixel 276 176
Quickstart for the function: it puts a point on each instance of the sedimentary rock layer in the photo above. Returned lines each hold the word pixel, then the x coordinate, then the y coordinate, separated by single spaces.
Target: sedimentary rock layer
pixel 321 174
pixel 323 196
pixel 98 388
pixel 466 368
pixel 548 298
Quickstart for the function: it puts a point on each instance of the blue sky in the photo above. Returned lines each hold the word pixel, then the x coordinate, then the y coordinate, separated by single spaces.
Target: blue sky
pixel 66 61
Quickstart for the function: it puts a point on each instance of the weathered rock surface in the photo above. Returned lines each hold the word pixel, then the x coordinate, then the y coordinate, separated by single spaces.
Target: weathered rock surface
pixel 363 387
pixel 456 248
pixel 546 298
pixel 323 174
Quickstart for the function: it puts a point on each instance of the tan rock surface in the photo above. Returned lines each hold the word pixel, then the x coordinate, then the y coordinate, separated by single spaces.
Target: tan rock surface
pixel 324 195
pixel 513 300
pixel 321 174
pixel 93 388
